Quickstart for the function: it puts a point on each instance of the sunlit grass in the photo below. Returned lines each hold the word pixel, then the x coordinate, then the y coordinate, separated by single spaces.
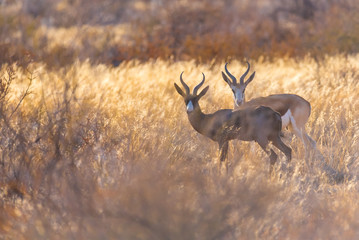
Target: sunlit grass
pixel 101 151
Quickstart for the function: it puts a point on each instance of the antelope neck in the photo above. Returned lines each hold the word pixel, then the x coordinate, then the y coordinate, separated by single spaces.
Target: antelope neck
pixel 196 118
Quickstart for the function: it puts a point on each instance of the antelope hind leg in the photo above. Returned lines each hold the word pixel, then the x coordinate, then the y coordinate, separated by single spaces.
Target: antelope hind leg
pixel 272 155
pixel 278 143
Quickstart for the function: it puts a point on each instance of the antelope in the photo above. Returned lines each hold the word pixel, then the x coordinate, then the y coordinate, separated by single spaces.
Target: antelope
pixel 260 124
pixel 294 110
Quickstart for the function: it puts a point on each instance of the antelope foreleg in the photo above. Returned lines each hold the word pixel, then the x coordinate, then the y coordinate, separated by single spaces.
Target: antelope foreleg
pixel 273 159
pixel 223 148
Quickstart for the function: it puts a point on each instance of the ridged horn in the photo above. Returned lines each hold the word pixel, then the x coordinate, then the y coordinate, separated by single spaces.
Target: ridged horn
pixel 184 84
pixel 245 74
pixel 199 85
pixel 230 75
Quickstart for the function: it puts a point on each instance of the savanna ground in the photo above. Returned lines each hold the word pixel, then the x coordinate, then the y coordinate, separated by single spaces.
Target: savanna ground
pixel 89 150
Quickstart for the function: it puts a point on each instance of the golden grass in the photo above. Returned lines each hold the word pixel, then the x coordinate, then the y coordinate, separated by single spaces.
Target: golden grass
pixel 101 152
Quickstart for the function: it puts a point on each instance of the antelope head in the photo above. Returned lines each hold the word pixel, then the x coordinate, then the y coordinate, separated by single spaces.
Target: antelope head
pixel 238 89
pixel 191 100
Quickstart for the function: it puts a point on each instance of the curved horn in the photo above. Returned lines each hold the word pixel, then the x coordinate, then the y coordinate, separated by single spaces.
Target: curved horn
pixel 245 74
pixel 184 84
pixel 230 75
pixel 199 85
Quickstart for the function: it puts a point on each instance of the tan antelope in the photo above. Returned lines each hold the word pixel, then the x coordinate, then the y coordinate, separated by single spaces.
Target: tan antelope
pixel 293 109
pixel 260 124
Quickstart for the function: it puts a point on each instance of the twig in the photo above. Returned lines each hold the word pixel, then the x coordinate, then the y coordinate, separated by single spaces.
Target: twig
pixel 24 95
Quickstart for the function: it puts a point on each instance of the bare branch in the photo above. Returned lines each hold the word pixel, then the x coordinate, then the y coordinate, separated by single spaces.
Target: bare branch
pixel 26 93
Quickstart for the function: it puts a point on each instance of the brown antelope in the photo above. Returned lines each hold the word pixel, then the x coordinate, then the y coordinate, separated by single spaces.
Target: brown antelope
pixel 260 124
pixel 293 109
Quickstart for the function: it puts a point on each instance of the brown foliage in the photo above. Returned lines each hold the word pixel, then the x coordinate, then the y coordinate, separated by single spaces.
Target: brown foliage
pixel 208 30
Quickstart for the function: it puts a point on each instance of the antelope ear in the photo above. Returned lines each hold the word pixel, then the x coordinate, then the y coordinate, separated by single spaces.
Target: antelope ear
pixel 250 78
pixel 179 90
pixel 226 79
pixel 203 92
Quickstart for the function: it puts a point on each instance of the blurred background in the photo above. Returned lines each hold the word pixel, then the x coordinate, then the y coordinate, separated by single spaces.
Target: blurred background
pixel 110 31
pixel 95 142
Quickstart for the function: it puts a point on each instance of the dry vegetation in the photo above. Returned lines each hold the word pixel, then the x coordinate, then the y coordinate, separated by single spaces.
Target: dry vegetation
pixel 100 152
pixel 59 32
pixel 95 142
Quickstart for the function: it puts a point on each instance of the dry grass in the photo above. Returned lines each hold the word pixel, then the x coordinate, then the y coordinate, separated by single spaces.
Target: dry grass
pixel 58 32
pixel 97 152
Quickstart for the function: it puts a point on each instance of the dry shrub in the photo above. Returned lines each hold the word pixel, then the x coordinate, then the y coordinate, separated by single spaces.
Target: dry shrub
pixel 61 32
pixel 204 30
pixel 99 152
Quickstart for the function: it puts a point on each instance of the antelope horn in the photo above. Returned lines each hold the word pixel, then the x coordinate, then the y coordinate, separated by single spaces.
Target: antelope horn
pixel 184 84
pixel 245 74
pixel 199 85
pixel 230 75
